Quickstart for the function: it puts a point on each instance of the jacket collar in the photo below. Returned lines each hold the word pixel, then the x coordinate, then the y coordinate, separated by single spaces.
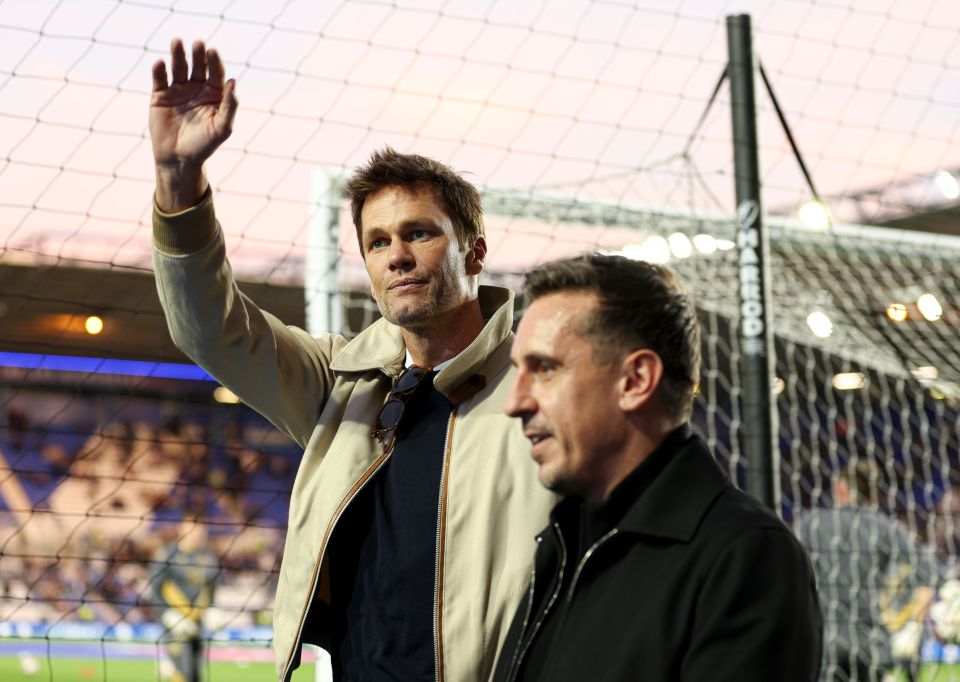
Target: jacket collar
pixel 665 496
pixel 380 346
pixel 677 499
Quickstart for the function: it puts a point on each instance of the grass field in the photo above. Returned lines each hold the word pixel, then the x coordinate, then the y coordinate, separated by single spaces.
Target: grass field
pixel 84 669
pixel 96 670
pixel 37 661
pixel 943 672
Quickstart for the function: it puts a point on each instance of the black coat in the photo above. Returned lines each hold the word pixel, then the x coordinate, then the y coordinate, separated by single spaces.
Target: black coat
pixel 697 582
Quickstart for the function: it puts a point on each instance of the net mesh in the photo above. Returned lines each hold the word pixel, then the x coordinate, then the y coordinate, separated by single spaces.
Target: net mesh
pixel 588 124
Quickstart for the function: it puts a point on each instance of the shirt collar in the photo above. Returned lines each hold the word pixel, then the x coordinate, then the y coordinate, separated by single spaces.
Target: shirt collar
pixel 436 368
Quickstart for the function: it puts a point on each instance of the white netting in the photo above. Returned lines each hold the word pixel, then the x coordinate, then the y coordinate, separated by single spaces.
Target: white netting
pixel 588 124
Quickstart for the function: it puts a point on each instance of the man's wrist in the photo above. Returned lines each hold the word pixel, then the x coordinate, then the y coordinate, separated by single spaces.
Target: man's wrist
pixel 179 187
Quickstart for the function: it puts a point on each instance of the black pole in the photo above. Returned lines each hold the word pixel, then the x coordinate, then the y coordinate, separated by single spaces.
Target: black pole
pixel 756 340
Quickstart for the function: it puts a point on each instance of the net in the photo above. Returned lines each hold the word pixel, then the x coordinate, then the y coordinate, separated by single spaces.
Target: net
pixel 588 124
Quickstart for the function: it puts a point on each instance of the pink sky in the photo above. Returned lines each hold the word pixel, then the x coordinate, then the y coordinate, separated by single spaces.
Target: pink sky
pixel 590 99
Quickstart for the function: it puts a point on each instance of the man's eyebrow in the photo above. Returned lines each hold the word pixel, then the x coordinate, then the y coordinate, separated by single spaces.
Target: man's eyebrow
pixel 539 356
pixel 418 222
pixel 405 225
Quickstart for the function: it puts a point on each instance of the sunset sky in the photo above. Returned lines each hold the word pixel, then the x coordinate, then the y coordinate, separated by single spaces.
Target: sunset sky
pixel 593 99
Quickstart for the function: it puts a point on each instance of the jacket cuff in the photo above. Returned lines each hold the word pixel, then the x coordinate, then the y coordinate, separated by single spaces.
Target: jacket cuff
pixel 185 232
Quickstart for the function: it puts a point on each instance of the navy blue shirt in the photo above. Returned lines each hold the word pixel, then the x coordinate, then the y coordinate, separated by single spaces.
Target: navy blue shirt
pixel 383 555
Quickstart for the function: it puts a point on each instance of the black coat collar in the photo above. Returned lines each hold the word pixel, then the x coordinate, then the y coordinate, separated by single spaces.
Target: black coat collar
pixel 678 498
pixel 666 496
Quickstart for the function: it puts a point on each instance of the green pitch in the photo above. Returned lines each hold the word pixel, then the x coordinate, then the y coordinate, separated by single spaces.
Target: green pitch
pixel 120 670
pixel 98 670
pixel 936 673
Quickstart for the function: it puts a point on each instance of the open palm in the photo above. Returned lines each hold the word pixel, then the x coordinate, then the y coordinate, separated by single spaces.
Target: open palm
pixel 190 117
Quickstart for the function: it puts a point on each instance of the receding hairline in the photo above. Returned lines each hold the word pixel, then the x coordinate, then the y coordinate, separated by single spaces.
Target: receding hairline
pixel 584 323
pixel 387 167
pixel 413 190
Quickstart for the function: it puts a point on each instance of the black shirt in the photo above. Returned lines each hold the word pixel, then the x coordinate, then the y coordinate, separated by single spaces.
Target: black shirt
pixel 383 555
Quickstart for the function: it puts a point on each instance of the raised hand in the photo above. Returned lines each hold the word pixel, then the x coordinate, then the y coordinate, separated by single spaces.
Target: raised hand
pixel 189 118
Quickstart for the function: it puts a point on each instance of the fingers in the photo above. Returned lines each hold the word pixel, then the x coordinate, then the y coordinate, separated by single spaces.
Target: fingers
pixel 199 72
pixel 178 61
pixel 216 68
pixel 223 120
pixel 159 76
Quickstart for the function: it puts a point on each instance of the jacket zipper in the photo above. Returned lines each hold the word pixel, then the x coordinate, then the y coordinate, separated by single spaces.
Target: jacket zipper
pixel 437 583
pixel 526 615
pixel 344 503
pixel 521 648
pixel 583 561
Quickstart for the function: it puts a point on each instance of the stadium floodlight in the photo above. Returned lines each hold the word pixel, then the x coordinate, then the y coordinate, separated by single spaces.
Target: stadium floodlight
pixel 815 215
pixel 654 249
pixel 705 243
pixel 897 312
pixel 849 381
pixel 680 245
pixel 930 307
pixel 93 325
pixel 224 395
pixel 947 184
pixel 725 245
pixel 820 324
pixel 925 374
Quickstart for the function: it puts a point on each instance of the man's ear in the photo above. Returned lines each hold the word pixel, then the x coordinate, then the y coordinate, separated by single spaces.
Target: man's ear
pixel 641 372
pixel 476 256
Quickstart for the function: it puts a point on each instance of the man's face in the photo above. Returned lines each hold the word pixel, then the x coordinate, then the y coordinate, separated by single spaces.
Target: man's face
pixel 568 404
pixel 417 270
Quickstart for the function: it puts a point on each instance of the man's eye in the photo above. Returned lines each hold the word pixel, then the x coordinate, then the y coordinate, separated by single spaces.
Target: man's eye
pixel 419 234
pixel 545 367
pixel 376 244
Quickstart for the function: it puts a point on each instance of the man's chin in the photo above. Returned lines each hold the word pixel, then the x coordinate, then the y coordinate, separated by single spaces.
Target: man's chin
pixel 561 482
pixel 409 318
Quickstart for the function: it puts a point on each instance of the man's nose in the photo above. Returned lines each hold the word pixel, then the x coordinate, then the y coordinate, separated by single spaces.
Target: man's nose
pixel 519 401
pixel 401 257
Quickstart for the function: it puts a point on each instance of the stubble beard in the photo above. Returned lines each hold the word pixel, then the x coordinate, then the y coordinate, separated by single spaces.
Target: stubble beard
pixel 417 314
pixel 442 295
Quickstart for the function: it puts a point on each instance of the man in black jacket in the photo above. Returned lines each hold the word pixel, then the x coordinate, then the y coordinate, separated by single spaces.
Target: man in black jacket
pixel 654 567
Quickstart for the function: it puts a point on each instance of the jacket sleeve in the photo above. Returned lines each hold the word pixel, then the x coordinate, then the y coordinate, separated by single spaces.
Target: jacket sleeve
pixel 757 617
pixel 280 371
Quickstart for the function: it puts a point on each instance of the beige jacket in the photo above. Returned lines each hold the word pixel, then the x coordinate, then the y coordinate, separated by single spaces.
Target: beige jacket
pixel 325 393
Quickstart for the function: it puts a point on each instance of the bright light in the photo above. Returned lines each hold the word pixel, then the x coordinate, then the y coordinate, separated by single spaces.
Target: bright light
pixel 705 243
pixel 820 324
pixel 724 244
pixel 654 250
pixel 897 312
pixel 930 307
pixel 815 215
pixel 947 184
pixel 93 325
pixel 849 381
pixel 779 385
pixel 925 373
pixel 225 396
pixel 680 245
